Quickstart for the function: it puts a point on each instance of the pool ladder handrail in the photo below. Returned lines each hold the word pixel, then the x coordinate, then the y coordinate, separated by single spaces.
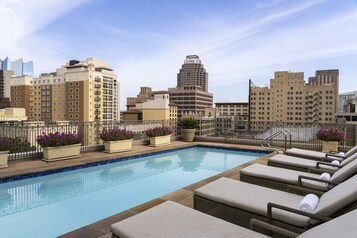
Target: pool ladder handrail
pixel 286 133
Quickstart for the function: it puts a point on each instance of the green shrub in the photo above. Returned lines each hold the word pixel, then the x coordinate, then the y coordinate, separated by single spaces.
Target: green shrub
pixel 189 123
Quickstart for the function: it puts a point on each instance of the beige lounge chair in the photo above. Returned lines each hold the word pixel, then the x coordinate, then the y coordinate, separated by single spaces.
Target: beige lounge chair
pixel 239 202
pixel 172 220
pixel 310 154
pixel 296 181
pixel 306 165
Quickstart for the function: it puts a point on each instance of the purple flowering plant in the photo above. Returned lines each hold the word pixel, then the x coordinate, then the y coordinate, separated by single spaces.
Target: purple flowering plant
pixel 6 143
pixel 158 131
pixel 116 134
pixel 59 139
pixel 330 135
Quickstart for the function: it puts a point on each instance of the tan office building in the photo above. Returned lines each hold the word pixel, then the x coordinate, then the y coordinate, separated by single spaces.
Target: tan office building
pixel 290 99
pixel 158 107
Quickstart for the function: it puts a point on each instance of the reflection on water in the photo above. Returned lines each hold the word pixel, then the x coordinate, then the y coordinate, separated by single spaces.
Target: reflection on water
pixel 161 164
pixel 34 192
pixel 117 174
pixel 190 161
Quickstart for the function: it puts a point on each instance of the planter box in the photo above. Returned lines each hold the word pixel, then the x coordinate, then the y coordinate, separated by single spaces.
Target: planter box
pixel 188 134
pixel 3 159
pixel 160 140
pixel 329 145
pixel 118 146
pixel 61 152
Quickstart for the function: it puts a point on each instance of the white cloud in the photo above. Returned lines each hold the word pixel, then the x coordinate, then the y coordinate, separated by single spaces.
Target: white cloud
pixel 20 19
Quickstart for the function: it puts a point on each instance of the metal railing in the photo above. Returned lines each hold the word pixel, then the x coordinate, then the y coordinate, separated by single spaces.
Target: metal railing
pixel 25 134
pixel 300 135
pixel 303 135
pixel 267 140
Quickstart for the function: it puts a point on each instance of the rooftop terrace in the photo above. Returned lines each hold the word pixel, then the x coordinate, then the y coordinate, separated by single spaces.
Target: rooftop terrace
pixel 102 228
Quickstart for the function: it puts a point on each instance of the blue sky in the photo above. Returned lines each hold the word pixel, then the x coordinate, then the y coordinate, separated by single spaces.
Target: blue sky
pixel 146 41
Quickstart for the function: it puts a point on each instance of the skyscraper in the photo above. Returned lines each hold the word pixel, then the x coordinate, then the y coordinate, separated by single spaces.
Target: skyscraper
pixel 191 94
pixel 193 73
pixel 18 66
pixel 5 64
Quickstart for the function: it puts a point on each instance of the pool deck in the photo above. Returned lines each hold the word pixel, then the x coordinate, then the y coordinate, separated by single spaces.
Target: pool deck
pixel 102 228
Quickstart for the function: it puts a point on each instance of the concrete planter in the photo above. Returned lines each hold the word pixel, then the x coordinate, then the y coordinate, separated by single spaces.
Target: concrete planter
pixel 160 140
pixel 329 145
pixel 188 134
pixel 61 152
pixel 118 146
pixel 3 159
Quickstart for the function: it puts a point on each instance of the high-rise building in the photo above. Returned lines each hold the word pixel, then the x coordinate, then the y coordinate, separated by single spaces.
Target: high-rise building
pixel 290 99
pixel 191 94
pixel 193 73
pixel 345 99
pixel 231 116
pixel 5 64
pixel 78 91
pixel 191 100
pixel 18 66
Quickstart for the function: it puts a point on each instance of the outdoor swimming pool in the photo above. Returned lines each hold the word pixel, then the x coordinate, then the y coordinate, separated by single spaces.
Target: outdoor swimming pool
pixel 51 205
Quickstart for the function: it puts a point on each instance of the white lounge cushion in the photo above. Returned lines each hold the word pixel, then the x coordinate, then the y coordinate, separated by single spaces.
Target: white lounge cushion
pixel 311 154
pixel 307 153
pixel 253 198
pixel 337 198
pixel 298 162
pixel 344 226
pixel 170 219
pixel 345 172
pixel 352 151
pixel 283 175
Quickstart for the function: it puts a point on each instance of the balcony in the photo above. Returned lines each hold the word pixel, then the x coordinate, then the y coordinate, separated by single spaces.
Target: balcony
pixel 97 106
pixel 97 99
pixel 97 86
pixel 97 111
pixel 97 79
pixel 97 93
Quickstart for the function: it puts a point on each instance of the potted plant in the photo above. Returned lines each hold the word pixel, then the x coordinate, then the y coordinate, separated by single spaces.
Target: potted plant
pixel 60 146
pixel 188 128
pixel 159 135
pixel 330 139
pixel 6 144
pixel 117 140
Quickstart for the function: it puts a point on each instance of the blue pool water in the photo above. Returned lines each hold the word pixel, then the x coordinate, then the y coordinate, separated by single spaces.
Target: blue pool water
pixel 51 205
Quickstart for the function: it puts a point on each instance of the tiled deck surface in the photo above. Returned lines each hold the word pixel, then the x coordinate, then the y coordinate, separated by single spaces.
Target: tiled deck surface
pixel 102 228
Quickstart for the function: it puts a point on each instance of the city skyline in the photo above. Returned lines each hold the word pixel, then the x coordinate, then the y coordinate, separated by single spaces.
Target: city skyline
pixel 236 40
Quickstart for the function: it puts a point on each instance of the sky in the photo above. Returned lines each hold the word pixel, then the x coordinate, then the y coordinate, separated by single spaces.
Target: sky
pixel 146 41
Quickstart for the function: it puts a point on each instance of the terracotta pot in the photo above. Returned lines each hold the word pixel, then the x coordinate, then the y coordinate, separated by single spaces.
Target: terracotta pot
pixel 188 134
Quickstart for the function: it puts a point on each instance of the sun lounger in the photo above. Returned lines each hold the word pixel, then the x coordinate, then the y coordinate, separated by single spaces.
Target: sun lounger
pixel 239 202
pixel 172 220
pixel 342 226
pixel 296 181
pixel 310 154
pixel 307 165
